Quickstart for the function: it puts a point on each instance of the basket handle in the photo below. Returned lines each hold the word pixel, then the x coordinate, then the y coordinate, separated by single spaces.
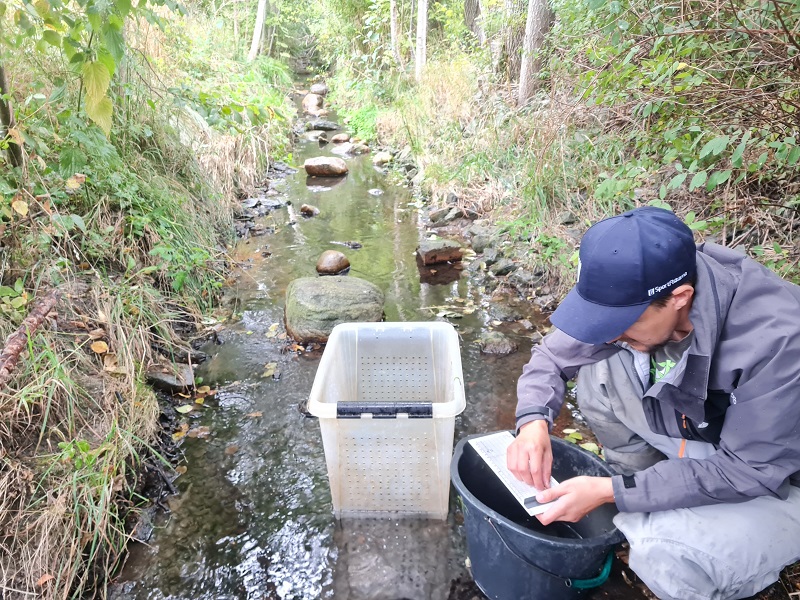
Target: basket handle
pixel 576 583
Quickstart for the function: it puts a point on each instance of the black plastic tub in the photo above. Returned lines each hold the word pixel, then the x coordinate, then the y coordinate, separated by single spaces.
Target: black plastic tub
pixel 513 556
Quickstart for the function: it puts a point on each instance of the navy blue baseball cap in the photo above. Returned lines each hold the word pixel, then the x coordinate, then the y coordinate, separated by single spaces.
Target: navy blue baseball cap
pixel 625 262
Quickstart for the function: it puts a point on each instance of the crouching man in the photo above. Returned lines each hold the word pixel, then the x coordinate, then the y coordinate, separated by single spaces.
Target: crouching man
pixel 688 363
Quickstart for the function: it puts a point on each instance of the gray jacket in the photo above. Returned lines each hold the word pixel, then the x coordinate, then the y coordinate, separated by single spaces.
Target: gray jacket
pixel 738 387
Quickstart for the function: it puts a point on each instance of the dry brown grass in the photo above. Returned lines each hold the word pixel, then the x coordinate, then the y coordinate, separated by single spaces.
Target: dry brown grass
pixel 61 522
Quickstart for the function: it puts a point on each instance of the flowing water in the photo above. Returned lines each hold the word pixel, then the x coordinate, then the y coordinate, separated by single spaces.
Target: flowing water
pixel 253 518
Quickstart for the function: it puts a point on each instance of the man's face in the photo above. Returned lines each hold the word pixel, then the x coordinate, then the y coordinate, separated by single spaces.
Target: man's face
pixel 653 329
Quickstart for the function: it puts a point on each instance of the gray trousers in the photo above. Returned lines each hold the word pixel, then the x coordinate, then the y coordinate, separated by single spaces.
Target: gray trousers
pixel 716 552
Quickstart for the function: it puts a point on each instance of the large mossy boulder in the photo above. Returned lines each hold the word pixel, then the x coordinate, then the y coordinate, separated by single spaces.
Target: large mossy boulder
pixel 315 305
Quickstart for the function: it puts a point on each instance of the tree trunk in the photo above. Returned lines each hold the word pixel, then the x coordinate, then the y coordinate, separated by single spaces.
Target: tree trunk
pixel 395 41
pixel 258 30
pixel 514 36
pixel 422 38
pixel 540 18
pixel 9 123
pixel 472 19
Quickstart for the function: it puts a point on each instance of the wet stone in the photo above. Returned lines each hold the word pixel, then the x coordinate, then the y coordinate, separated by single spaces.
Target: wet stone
pixel 494 342
pixel 322 124
pixel 315 305
pixel 307 210
pixel 312 103
pixel 178 378
pixel 381 158
pixel 325 166
pixel 340 138
pixel 332 262
pixel 342 149
pixel 504 266
pixel 439 251
pixel 375 192
pixel 320 89
pixel 567 218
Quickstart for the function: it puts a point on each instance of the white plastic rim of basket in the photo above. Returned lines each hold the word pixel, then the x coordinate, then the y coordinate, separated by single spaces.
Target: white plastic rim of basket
pixel 441 410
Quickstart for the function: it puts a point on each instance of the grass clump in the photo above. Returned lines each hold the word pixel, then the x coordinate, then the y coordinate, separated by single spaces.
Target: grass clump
pixel 130 218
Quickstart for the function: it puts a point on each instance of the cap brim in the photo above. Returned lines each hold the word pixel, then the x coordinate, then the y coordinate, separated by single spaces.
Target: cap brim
pixel 594 323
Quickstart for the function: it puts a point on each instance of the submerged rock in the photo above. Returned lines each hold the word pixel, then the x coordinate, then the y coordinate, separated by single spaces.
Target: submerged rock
pixel 315 305
pixel 494 342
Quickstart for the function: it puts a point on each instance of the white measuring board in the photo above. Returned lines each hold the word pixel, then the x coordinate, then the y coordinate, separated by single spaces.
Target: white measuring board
pixel 492 449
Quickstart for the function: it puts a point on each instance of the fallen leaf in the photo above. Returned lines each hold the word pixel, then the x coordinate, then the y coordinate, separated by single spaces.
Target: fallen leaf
pixel 44 579
pixel 20 207
pixel 269 369
pixel 99 347
pixel 255 415
pixel 97 334
pixel 496 323
pixel 591 447
pixel 183 409
pixel 296 348
pixel 568 430
pixel 203 389
pixel 272 331
pixel 182 395
pixel 200 432
pixel 232 449
pixel 178 435
pixel 200 400
pixel 72 184
pixel 181 469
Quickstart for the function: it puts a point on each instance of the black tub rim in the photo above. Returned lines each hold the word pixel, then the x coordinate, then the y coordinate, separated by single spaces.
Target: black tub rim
pixel 609 538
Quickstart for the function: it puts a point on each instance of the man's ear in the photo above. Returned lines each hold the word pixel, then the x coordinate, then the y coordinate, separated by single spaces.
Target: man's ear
pixel 682 295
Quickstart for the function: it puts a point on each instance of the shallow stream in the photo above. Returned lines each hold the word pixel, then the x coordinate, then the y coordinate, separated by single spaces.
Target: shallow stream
pixel 253 518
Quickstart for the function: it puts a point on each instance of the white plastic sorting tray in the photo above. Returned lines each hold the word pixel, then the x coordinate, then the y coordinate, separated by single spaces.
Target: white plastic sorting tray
pixel 387 395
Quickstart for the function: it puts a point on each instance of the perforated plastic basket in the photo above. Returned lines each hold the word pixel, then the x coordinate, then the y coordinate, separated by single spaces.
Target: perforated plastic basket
pixel 387 395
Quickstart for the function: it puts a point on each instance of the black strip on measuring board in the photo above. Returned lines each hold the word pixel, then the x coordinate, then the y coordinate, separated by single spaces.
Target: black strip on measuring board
pixel 384 410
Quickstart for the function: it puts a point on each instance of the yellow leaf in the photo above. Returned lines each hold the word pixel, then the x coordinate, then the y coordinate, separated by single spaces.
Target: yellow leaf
pixel 269 369
pixel 200 400
pixel 186 408
pixel 272 331
pixel 178 435
pixel 204 389
pixel 99 347
pixel 181 469
pixel 73 183
pixel 15 135
pixel 20 207
pixel 681 66
pixel 100 112
pixel 96 78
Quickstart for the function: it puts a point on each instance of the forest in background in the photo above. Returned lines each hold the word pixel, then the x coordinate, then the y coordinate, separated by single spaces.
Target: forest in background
pixel 129 129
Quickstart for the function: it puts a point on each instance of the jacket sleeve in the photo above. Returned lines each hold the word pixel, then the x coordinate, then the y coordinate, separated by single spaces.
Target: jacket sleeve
pixel 541 387
pixel 759 447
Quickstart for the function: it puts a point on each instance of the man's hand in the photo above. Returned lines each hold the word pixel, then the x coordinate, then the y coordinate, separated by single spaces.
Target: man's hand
pixel 575 498
pixel 530 457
